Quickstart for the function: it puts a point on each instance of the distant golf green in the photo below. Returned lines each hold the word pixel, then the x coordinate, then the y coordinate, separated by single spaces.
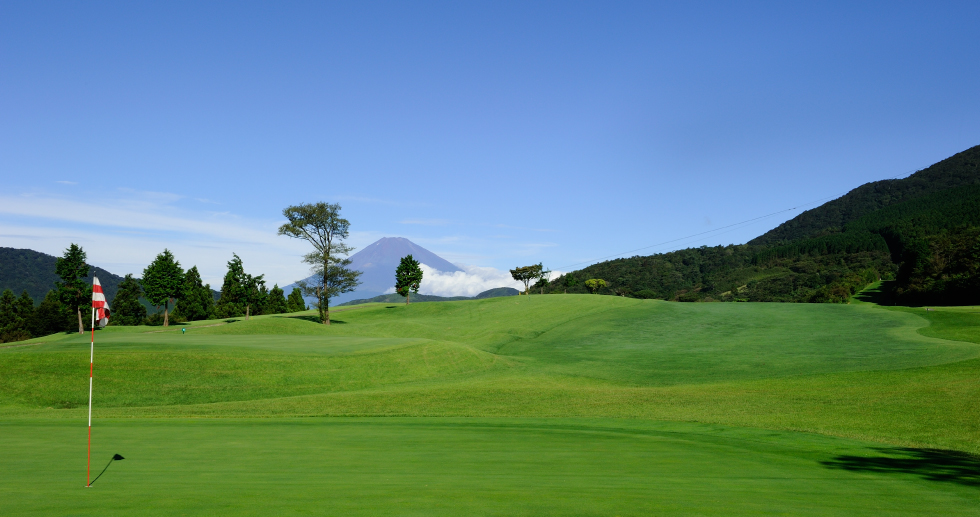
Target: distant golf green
pixel 553 405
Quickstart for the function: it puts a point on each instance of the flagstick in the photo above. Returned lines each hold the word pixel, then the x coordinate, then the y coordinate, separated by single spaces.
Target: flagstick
pixel 91 368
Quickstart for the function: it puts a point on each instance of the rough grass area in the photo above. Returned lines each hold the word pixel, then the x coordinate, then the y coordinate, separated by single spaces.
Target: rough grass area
pixel 540 381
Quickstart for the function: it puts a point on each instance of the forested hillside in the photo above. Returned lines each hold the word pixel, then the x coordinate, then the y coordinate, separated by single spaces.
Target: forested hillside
pixel 958 170
pixel 922 232
pixel 33 271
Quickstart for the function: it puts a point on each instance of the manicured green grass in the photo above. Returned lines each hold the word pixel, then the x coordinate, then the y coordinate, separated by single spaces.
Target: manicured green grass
pixel 465 467
pixel 764 376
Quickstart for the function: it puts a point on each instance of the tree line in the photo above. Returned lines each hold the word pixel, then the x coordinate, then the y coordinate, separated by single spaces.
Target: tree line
pixel 179 296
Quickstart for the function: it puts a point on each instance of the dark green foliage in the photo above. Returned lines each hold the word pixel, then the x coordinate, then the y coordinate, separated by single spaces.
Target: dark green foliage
pixel 232 301
pixel 50 317
pixel 163 281
pixel 241 293
pixel 126 307
pixel 525 274
pixel 851 242
pixel 73 290
pixel 276 303
pixel 295 303
pixel 408 277
pixel 197 301
pixel 956 171
pixel 15 316
pixel 34 272
pixel 942 269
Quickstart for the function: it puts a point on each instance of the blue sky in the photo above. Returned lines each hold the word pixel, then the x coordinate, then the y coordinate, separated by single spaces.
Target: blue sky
pixel 493 134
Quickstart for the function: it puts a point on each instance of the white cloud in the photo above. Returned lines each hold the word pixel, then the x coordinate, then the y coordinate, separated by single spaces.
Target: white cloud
pixel 472 281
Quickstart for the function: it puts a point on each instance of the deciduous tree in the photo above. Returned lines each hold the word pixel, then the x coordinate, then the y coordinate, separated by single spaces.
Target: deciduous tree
pixel 408 277
pixel 594 284
pixel 163 282
pixel 320 224
pixel 526 274
pixel 74 292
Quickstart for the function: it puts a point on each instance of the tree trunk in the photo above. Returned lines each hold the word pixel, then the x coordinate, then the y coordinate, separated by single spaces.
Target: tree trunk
pixel 408 297
pixel 326 304
pixel 81 326
pixel 247 308
pixel 166 317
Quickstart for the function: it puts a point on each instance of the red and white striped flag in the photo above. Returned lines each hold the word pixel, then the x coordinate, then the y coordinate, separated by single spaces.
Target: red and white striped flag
pixel 99 304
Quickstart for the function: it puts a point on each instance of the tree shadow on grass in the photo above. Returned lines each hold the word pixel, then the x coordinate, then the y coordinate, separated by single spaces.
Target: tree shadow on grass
pixel 313 318
pixel 879 295
pixel 931 464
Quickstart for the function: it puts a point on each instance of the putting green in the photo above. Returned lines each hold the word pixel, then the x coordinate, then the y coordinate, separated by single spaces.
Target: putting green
pixel 467 467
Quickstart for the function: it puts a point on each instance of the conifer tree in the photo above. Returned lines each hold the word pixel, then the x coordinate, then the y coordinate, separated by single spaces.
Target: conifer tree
pixel 277 301
pixel 50 317
pixel 163 281
pixel 73 290
pixel 232 290
pixel 198 301
pixel 126 307
pixel 296 303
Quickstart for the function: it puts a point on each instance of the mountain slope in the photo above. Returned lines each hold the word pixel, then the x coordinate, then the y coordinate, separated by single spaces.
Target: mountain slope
pixel 23 269
pixel 958 170
pixel 397 298
pixel 920 231
pixel 377 263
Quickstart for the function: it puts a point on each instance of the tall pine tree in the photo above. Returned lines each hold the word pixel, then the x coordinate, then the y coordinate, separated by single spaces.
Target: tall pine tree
pixel 276 304
pixel 74 292
pixel 163 281
pixel 296 303
pixel 198 302
pixel 126 306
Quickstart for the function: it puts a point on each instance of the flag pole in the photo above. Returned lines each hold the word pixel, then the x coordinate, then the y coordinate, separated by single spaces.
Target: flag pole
pixel 91 368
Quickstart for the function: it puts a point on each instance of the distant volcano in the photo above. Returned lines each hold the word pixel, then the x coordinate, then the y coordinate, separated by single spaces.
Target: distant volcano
pixel 377 263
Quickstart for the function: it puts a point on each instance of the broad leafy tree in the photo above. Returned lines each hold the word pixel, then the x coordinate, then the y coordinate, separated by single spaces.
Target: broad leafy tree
pixel 594 284
pixel 74 291
pixel 163 282
pixel 320 224
pixel 276 304
pixel 197 302
pixel 329 282
pixel 296 303
pixel 526 274
pixel 569 281
pixel 126 306
pixel 408 277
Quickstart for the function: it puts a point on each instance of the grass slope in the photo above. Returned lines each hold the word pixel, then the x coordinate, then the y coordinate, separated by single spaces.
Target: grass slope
pixel 652 407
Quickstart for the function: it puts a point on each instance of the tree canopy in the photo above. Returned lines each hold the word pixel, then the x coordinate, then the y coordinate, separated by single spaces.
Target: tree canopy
pixel 126 306
pixel 320 224
pixel 197 301
pixel 163 282
pixel 408 277
pixel 526 274
pixel 74 292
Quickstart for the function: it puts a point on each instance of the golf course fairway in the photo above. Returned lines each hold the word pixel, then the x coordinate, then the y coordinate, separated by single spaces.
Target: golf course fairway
pixel 547 405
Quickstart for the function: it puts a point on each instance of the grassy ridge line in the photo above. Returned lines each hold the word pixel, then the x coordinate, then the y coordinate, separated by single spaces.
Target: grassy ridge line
pixel 922 407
